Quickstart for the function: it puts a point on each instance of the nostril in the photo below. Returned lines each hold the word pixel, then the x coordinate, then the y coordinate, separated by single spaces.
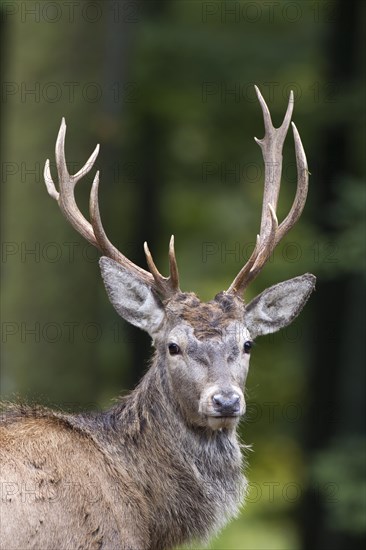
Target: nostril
pixel 235 399
pixel 234 402
pixel 217 399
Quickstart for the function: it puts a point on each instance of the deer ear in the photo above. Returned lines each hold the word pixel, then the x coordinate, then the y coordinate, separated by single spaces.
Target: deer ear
pixel 132 298
pixel 279 305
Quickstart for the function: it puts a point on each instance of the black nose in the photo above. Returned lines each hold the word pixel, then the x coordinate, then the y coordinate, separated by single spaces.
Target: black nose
pixel 226 404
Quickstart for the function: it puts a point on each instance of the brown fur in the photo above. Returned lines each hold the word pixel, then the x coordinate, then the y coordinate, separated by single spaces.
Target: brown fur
pixel 207 319
pixel 54 475
pixel 135 477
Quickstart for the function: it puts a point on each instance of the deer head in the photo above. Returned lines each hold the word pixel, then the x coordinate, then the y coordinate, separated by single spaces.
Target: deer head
pixel 204 348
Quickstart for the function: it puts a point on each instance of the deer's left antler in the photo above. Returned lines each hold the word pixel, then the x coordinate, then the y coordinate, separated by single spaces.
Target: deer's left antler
pixel 270 232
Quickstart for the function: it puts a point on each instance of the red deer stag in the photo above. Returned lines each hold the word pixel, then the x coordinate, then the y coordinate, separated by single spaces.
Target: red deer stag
pixel 163 466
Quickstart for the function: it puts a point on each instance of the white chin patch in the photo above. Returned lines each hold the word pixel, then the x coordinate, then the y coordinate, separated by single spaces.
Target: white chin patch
pixel 218 423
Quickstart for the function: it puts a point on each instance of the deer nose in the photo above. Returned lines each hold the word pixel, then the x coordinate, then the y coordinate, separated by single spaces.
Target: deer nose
pixel 226 404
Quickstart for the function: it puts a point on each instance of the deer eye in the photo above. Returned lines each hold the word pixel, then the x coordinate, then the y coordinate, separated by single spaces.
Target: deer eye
pixel 248 346
pixel 174 349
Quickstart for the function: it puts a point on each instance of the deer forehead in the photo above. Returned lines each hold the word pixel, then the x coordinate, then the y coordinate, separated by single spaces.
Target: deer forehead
pixel 218 321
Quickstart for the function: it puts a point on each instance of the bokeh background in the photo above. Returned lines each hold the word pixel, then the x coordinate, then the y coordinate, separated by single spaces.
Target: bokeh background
pixel 166 88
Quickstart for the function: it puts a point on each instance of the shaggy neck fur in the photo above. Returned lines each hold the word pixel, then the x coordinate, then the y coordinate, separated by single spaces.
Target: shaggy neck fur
pixel 191 476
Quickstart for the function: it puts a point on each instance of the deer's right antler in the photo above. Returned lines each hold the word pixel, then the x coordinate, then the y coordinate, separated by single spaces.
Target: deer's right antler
pixel 270 233
pixel 94 231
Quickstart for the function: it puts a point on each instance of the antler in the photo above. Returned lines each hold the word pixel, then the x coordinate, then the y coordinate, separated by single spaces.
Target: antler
pixel 94 232
pixel 270 233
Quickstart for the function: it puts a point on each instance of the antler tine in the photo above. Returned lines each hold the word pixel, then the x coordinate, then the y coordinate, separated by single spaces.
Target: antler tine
pixel 51 188
pixel 65 197
pixel 272 145
pixel 301 190
pixel 266 114
pixel 94 231
pixel 270 233
pixel 165 285
pixel 173 266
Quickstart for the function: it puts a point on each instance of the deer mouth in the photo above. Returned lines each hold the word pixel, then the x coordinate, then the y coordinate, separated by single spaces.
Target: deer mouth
pixel 218 422
pixel 231 415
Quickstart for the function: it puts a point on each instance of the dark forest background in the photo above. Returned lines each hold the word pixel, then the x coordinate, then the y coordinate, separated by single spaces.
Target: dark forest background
pixel 166 88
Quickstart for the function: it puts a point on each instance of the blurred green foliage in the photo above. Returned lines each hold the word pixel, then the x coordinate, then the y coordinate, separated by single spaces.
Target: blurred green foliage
pixel 344 464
